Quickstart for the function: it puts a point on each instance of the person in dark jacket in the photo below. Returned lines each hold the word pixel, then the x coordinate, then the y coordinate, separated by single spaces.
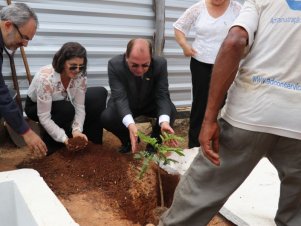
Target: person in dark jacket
pixel 18 26
pixel 139 86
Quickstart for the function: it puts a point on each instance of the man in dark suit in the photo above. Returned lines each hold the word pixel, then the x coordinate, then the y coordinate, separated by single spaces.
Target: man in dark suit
pixel 139 86
pixel 18 26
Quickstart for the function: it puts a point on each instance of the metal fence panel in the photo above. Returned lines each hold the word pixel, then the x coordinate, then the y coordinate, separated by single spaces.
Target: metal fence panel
pixel 104 27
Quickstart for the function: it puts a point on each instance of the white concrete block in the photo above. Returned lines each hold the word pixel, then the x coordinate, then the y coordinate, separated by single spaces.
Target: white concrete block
pixel 26 200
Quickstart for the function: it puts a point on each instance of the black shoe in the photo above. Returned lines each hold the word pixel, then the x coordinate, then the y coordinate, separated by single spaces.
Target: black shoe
pixel 150 149
pixel 125 148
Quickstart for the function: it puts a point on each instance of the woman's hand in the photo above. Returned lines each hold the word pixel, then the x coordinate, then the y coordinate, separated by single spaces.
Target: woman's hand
pixel 77 133
pixel 78 142
pixel 188 50
pixel 182 41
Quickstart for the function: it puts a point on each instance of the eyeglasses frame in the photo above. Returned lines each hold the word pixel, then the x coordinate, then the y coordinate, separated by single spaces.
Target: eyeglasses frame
pixel 79 67
pixel 23 37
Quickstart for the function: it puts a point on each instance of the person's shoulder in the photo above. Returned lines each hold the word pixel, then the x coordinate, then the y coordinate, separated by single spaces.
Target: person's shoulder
pixel 117 59
pixel 236 5
pixel 46 71
pixel 199 3
pixel 197 6
pixel 159 60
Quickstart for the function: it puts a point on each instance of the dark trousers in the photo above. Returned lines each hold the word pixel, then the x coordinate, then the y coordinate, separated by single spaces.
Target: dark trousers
pixel 200 76
pixel 62 113
pixel 112 122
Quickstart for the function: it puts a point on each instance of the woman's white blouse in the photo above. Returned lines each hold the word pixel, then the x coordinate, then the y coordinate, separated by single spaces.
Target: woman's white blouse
pixel 47 87
pixel 209 31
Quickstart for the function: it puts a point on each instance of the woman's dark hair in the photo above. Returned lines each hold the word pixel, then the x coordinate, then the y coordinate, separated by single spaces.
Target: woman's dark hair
pixel 68 51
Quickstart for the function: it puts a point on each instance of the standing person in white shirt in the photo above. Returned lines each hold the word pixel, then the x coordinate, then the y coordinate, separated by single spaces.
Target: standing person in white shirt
pixel 211 20
pixel 58 98
pixel 259 65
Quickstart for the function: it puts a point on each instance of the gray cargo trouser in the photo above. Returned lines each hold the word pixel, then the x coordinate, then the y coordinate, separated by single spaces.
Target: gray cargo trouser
pixel 205 188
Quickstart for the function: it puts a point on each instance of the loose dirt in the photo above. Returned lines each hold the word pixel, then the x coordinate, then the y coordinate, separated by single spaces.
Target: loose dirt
pixel 99 186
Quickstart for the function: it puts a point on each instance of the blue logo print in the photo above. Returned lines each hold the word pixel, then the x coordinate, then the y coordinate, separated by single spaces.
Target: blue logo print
pixel 294 4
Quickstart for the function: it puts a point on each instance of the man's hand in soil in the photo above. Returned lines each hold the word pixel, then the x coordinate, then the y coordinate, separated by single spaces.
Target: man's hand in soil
pixel 35 143
pixel 133 131
pixel 165 127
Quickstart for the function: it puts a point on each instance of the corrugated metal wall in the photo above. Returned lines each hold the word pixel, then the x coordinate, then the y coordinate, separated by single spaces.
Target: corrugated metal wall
pixel 104 27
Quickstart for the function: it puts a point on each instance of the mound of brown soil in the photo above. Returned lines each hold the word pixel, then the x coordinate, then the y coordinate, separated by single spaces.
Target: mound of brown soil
pixel 100 169
pixel 98 186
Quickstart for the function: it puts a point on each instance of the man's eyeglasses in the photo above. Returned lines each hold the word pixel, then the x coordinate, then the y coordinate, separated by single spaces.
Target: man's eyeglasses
pixel 24 37
pixel 79 67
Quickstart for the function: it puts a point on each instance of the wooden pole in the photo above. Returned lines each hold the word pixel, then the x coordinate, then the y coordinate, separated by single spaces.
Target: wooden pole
pixel 28 74
pixel 159 36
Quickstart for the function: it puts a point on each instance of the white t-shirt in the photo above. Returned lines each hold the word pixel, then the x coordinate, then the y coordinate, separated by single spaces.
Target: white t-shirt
pixel 266 94
pixel 209 31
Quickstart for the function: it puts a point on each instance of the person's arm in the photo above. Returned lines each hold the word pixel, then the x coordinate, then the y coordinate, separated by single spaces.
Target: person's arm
pixel 79 106
pixel 10 111
pixel 182 41
pixel 117 79
pixel 161 85
pixel 161 91
pixel 223 74
pixel 183 26
pixel 120 98
pixel 35 143
pixel 44 105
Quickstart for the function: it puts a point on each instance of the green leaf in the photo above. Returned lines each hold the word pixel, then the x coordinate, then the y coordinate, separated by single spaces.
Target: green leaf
pixel 162 149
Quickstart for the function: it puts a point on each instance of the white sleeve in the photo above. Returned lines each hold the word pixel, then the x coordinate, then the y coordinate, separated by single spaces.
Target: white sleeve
pixel 188 19
pixel 248 19
pixel 44 104
pixel 127 120
pixel 164 118
pixel 79 104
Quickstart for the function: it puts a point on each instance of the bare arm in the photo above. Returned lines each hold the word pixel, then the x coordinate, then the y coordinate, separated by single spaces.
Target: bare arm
pixel 223 74
pixel 182 41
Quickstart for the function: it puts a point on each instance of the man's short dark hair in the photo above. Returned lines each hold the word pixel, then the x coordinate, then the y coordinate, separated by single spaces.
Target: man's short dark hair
pixel 131 43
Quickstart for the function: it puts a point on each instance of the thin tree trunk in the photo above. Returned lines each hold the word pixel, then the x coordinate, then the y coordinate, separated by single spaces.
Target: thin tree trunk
pixel 161 188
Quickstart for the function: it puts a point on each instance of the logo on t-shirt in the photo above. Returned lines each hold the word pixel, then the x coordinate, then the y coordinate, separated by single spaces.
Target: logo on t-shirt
pixel 294 4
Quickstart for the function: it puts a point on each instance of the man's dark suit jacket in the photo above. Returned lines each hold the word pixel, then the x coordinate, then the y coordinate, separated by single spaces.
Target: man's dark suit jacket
pixel 9 110
pixel 130 99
